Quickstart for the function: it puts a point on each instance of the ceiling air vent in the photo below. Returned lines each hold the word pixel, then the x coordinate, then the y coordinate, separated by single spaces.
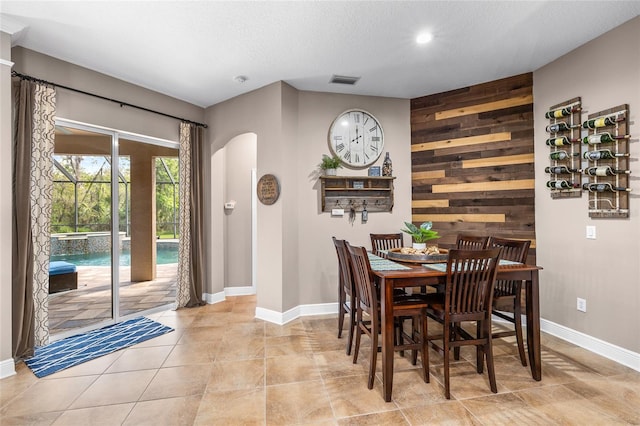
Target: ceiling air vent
pixel 343 79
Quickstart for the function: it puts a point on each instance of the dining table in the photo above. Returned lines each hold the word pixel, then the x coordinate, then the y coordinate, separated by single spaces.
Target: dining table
pixel 395 274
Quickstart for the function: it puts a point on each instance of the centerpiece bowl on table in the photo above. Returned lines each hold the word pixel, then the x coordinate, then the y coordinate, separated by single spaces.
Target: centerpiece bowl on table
pixel 431 254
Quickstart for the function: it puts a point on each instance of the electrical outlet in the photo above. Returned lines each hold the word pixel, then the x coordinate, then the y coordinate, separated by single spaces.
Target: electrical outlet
pixel 582 305
pixel 591 232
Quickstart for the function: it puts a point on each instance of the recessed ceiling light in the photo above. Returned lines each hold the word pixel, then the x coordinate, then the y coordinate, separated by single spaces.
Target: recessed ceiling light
pixel 240 78
pixel 424 38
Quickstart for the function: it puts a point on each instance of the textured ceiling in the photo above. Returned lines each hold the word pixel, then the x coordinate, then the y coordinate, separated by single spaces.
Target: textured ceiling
pixel 193 50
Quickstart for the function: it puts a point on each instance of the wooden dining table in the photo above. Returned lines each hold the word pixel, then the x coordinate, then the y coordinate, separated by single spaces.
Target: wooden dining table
pixel 420 275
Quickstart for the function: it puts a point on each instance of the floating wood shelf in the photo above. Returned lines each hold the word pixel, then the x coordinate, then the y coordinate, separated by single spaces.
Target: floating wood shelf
pixel 346 192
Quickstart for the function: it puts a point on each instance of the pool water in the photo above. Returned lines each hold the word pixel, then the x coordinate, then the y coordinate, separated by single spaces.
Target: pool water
pixel 164 255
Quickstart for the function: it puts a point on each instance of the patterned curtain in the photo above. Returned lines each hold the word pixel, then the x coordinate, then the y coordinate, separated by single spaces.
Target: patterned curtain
pixel 190 247
pixel 33 139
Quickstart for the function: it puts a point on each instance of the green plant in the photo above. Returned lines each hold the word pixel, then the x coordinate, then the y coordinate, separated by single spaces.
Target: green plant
pixel 421 234
pixel 330 162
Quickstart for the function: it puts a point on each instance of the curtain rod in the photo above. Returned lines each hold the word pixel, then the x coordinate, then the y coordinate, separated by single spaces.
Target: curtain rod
pixel 121 103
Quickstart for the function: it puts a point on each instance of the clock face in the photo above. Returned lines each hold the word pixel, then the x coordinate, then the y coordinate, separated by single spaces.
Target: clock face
pixel 357 138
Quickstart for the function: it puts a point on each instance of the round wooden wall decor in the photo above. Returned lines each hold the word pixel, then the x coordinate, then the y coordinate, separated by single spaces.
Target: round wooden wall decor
pixel 268 189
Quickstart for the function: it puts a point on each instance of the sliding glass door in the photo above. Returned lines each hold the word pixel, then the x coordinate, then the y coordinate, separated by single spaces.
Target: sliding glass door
pixel 112 224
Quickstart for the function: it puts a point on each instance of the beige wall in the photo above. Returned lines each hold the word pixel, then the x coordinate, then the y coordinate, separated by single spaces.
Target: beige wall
pixel 606 272
pixel 6 366
pixel 296 258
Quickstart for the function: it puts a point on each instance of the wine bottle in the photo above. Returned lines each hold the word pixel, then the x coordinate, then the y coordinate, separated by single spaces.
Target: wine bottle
pixel 387 168
pixel 604 171
pixel 563 140
pixel 603 187
pixel 562 155
pixel 605 137
pixel 559 170
pixel 560 127
pixel 602 154
pixel 562 112
pixel 561 184
pixel 601 122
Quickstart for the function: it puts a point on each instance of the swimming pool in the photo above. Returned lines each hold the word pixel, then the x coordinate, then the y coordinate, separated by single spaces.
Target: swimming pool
pixel 165 254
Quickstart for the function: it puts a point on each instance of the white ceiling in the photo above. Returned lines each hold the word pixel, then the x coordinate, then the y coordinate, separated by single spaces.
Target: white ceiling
pixel 193 50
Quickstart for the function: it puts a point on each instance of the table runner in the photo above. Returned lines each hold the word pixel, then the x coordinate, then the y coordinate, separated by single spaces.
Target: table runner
pixel 380 264
pixel 442 267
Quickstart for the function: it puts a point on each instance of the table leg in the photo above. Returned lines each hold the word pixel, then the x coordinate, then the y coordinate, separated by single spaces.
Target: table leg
pixel 533 326
pixel 387 337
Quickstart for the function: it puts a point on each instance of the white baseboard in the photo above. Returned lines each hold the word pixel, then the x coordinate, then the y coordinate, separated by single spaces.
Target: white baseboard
pixel 7 368
pixel 608 350
pixel 282 318
pixel 212 298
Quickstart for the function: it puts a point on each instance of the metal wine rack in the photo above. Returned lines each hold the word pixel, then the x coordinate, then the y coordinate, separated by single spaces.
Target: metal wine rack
pixel 573 159
pixel 605 203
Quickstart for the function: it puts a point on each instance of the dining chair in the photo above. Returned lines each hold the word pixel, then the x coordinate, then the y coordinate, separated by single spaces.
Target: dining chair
pixel 507 295
pixel 471 242
pixel 471 275
pixel 346 292
pixel 385 242
pixel 368 303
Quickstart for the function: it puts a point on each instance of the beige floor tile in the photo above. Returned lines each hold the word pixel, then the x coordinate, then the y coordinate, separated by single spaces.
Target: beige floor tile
pixel 140 359
pixel 235 407
pixel 385 418
pixel 505 409
pixel 295 327
pixel 465 382
pixel 116 388
pixel 297 403
pixel 287 345
pixel 95 416
pixel 179 411
pixel 39 419
pixel 202 334
pixel 241 348
pixel 233 375
pixel 12 386
pixel 350 396
pixel 409 390
pixel 618 401
pixel 178 382
pixel 48 395
pixel 291 368
pixel 337 364
pixel 565 406
pixel 323 341
pixel 442 413
pixel 192 353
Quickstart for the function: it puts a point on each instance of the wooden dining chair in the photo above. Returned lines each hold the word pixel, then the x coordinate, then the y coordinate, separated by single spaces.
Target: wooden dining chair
pixel 507 295
pixel 471 242
pixel 346 292
pixel 471 275
pixel 368 303
pixel 385 242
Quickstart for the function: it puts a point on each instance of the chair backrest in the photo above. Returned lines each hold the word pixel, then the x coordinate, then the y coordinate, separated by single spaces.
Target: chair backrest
pixel 516 251
pixel 344 266
pixel 386 241
pixel 471 275
pixel 471 242
pixel 366 294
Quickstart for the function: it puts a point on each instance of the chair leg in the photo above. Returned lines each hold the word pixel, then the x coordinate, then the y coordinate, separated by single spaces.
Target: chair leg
pixel 352 325
pixel 356 350
pixel 517 316
pixel 456 350
pixel 480 348
pixel 341 311
pixel 490 367
pixel 374 357
pixel 445 347
pixel 425 348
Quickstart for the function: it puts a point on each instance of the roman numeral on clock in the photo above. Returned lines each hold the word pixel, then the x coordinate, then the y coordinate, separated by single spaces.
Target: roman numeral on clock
pixel 340 147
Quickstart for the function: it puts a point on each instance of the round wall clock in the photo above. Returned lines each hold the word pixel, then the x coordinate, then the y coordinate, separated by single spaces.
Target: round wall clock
pixel 356 137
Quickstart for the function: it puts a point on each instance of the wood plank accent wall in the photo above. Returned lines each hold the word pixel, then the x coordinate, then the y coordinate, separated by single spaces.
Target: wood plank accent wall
pixel 472 160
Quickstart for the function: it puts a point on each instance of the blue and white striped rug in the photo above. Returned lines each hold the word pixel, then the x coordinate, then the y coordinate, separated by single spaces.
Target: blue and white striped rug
pixel 77 349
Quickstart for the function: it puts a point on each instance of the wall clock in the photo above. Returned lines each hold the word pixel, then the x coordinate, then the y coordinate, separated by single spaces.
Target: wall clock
pixel 356 137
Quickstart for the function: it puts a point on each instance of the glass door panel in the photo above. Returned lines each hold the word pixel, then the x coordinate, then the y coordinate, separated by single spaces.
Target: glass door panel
pixel 80 295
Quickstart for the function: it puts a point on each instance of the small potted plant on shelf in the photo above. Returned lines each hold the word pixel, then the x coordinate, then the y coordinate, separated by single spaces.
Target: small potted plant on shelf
pixel 330 164
pixel 420 234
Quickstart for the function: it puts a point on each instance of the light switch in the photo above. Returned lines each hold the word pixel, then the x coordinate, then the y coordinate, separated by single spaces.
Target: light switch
pixel 591 232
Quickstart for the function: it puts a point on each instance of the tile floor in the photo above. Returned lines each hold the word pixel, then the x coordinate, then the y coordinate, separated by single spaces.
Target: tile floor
pixel 223 367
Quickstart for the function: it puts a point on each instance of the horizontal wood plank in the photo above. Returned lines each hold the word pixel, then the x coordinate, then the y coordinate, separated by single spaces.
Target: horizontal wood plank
pixel 431 174
pixel 466 141
pixel 484 186
pixel 489 106
pixel 459 217
pixel 417 204
pixel 499 161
